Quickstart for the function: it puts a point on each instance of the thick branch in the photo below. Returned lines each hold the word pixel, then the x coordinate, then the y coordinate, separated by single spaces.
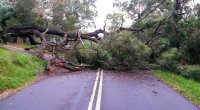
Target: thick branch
pixel 43 43
pixel 29 30
pixel 132 29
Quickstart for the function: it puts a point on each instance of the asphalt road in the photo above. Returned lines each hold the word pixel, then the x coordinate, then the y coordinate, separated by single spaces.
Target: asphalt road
pixel 102 90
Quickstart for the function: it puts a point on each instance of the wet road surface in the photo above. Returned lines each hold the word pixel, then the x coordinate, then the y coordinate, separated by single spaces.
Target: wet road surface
pixel 102 90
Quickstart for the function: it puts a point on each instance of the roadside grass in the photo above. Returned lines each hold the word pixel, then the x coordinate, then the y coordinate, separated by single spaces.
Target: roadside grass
pixel 187 87
pixel 18 69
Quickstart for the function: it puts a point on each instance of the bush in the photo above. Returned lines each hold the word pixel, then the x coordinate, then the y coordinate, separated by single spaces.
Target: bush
pixel 190 71
pixel 191 50
pixel 169 59
pixel 190 42
pixel 126 51
pixel 160 45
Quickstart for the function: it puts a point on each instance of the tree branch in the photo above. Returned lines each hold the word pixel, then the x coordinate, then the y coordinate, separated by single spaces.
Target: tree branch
pixel 150 12
pixel 29 30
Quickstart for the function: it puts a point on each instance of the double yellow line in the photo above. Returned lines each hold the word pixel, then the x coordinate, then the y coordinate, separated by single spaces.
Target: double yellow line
pixel 98 80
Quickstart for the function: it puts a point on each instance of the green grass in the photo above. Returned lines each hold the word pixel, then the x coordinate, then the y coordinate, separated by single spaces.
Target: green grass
pixel 17 69
pixel 188 88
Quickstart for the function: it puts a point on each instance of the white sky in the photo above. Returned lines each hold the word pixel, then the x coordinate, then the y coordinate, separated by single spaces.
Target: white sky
pixel 105 7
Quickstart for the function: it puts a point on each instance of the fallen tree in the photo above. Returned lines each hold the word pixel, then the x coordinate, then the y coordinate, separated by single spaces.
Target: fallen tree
pixel 31 32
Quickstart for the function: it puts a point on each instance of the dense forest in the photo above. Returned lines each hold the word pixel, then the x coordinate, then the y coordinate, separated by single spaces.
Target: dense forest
pixel 163 33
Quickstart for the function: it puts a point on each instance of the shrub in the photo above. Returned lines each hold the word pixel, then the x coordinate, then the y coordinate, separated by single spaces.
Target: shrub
pixel 160 45
pixel 190 71
pixel 126 51
pixel 191 49
pixel 169 59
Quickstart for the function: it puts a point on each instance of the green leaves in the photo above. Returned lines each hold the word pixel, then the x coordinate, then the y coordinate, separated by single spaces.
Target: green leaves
pixel 24 12
pixel 73 15
pixel 68 15
pixel 126 51
pixel 190 71
pixel 169 59
pixel 115 20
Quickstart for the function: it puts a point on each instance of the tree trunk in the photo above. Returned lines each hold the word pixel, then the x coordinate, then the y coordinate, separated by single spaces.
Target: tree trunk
pixel 20 41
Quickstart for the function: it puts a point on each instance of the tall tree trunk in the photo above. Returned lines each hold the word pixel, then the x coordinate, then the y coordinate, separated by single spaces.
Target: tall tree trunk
pixel 20 41
pixel 177 11
pixel 178 6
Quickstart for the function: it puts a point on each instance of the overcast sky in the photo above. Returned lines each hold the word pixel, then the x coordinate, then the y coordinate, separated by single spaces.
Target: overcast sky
pixel 105 7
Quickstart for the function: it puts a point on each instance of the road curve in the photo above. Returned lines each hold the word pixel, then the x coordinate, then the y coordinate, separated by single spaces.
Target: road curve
pixel 113 91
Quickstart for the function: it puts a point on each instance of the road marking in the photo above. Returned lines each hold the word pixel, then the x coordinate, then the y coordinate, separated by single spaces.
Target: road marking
pixel 94 91
pixel 98 103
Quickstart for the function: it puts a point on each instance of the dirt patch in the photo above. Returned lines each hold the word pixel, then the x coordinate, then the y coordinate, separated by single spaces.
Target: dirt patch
pixel 53 70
